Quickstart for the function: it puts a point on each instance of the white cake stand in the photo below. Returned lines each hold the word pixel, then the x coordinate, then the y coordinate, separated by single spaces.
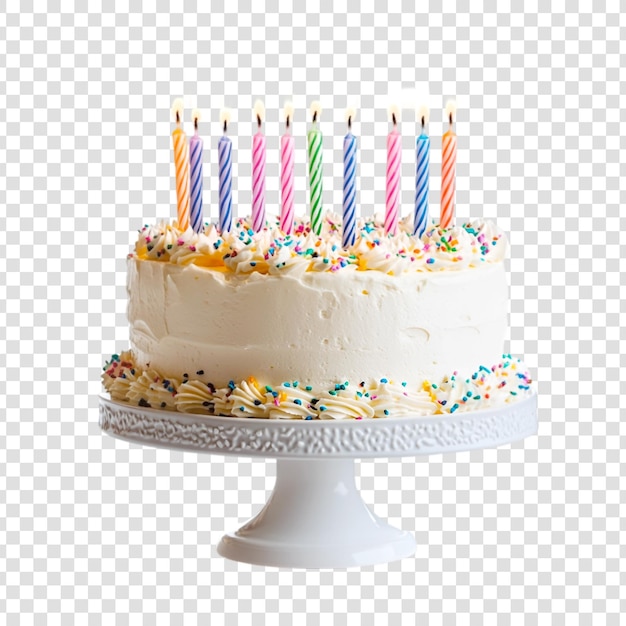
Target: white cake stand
pixel 315 517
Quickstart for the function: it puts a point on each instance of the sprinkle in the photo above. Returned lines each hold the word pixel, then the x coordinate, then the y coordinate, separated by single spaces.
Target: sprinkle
pixel 384 380
pixel 200 372
pixel 309 388
pixel 297 401
pixel 322 407
pixel 454 407
pixel 257 403
pixel 386 412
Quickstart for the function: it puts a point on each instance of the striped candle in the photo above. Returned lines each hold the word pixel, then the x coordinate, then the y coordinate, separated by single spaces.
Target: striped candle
pixel 448 169
pixel 196 147
pixel 181 163
pixel 225 148
pixel 286 173
pixel 315 170
pixel 349 184
pixel 394 151
pixel 422 166
pixel 258 170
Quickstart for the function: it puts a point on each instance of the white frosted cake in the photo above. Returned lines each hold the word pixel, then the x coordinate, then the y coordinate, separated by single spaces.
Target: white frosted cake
pixel 268 325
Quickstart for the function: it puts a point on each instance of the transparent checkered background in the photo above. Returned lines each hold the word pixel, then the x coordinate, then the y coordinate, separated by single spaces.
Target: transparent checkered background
pixel 107 531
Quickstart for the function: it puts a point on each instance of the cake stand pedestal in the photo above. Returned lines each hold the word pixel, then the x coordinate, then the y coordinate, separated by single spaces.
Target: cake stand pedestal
pixel 315 517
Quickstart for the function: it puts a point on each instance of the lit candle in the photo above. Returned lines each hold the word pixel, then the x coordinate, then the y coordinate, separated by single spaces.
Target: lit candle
pixel 422 166
pixel 258 170
pixel 225 148
pixel 181 163
pixel 286 173
pixel 349 183
pixel 196 147
pixel 448 169
pixel 315 169
pixel 394 152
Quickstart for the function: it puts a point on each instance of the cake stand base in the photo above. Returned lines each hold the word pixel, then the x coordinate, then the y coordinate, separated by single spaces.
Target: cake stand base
pixel 315 518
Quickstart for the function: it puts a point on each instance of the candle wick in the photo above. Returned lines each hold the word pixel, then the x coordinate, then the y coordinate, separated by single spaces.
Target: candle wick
pixel 423 122
pixel 225 126
pixel 178 117
pixel 287 121
pixel 258 120
pixel 350 122
pixel 450 119
pixel 393 117
pixel 195 123
pixel 314 117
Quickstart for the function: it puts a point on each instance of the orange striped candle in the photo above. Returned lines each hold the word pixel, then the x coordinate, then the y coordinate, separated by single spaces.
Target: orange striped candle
pixel 448 169
pixel 181 162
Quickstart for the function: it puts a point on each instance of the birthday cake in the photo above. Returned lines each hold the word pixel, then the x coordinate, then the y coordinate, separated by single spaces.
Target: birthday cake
pixel 294 326
pixel 320 318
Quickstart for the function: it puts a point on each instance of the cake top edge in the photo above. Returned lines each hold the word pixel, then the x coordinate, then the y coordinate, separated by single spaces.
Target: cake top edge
pixel 270 250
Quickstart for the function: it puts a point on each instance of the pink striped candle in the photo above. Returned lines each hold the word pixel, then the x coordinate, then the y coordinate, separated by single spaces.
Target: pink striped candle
pixel 258 170
pixel 448 170
pixel 394 152
pixel 286 173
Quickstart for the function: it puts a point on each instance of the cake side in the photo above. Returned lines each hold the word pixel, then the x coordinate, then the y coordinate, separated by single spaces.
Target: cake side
pixel 318 327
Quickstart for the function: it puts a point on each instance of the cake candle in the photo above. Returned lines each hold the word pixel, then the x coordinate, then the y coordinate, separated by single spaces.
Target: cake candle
pixel 422 175
pixel 394 151
pixel 315 169
pixel 181 164
pixel 286 173
pixel 349 183
pixel 448 169
pixel 258 170
pixel 196 150
pixel 225 148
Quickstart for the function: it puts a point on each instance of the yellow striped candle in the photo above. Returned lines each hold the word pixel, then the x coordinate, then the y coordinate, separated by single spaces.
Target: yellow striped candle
pixel 181 163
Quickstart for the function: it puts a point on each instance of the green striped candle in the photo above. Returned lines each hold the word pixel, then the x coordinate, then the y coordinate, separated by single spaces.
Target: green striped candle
pixel 315 169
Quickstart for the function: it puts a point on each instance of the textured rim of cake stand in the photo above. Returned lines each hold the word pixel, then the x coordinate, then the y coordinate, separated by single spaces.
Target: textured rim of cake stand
pixel 315 517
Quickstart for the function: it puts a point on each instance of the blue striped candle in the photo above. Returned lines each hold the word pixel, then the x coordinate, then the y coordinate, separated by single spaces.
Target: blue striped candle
pixel 225 148
pixel 422 165
pixel 196 147
pixel 349 184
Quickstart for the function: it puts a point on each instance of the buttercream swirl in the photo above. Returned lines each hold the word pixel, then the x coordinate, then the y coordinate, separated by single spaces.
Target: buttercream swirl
pixel 242 251
pixel 488 387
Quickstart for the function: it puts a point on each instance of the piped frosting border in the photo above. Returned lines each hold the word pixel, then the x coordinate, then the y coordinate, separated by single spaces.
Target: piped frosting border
pixel 488 387
pixel 242 251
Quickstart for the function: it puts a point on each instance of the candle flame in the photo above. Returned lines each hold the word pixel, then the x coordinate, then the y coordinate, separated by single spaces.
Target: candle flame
pixel 451 110
pixel 316 109
pixel 259 110
pixel 423 114
pixel 177 109
pixel 225 116
pixel 350 114
pixel 196 116
pixel 288 110
pixel 394 112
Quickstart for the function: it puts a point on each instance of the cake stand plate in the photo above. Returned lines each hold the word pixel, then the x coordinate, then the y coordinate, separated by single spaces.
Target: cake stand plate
pixel 315 517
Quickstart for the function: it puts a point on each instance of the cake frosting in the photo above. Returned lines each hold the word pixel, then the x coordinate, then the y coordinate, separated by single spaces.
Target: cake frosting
pixel 294 326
